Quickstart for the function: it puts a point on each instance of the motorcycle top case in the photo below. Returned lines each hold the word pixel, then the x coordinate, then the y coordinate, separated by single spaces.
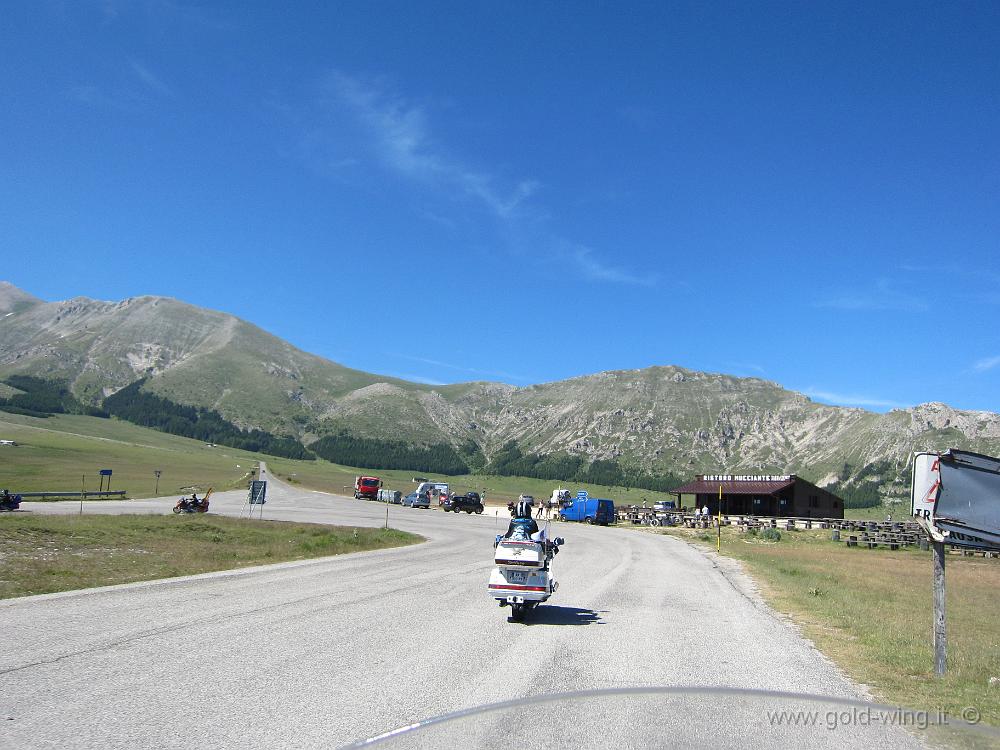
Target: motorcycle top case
pixel 520 554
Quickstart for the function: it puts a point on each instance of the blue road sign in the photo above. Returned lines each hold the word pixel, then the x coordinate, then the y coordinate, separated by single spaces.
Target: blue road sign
pixel 105 472
pixel 258 490
pixel 582 495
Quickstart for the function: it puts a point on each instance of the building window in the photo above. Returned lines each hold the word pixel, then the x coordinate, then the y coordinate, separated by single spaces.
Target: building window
pixel 814 501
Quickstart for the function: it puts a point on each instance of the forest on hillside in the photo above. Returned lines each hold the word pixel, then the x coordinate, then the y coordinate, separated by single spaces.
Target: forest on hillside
pixel 149 410
pixel 43 398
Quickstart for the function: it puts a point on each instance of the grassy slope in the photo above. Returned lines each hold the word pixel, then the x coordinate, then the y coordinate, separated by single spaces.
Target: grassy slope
pixel 870 611
pixel 54 453
pixel 44 554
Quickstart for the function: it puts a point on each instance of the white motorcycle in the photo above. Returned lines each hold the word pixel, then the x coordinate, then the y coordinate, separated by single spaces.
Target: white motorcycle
pixel 521 578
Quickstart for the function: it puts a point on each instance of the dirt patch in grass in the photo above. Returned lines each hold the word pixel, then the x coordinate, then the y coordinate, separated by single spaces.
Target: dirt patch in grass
pixel 44 554
pixel 871 612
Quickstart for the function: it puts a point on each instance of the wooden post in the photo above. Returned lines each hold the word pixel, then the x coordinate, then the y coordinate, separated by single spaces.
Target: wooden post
pixel 940 634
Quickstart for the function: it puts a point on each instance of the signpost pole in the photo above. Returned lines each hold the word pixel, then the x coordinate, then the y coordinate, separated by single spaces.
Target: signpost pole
pixel 718 540
pixel 83 491
pixel 940 633
pixel 387 516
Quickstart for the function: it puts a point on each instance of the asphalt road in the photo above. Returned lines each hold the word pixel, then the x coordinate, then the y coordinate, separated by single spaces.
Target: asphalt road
pixel 321 653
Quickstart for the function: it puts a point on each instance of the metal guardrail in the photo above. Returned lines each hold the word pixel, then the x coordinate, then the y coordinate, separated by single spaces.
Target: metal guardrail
pixel 84 495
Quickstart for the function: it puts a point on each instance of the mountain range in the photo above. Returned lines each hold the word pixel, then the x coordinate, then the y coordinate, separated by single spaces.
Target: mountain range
pixel 657 421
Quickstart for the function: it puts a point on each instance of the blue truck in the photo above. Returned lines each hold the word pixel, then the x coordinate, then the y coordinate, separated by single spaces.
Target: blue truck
pixel 589 510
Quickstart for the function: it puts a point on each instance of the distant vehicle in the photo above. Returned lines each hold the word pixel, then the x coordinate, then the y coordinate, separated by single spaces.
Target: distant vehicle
pixel 193 504
pixel 589 510
pixel 440 490
pixel 7 442
pixel 9 501
pixel 469 503
pixel 664 505
pixel 395 497
pixel 560 497
pixel 366 487
pixel 527 499
pixel 417 500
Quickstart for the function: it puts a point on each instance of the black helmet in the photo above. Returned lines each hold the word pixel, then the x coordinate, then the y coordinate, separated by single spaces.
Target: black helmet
pixel 523 510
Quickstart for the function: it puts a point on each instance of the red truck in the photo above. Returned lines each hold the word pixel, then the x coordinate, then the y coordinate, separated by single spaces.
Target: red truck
pixel 366 487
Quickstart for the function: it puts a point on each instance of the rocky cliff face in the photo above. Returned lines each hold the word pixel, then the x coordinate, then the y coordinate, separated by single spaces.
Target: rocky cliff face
pixel 658 419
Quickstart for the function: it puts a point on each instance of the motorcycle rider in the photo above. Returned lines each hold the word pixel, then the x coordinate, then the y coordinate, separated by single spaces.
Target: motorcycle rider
pixel 521 522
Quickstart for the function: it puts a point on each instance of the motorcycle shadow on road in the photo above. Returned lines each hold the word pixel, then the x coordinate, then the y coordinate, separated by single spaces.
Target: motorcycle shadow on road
pixel 548 614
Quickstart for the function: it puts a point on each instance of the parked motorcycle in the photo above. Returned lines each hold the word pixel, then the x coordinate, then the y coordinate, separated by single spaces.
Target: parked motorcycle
pixel 192 504
pixel 522 578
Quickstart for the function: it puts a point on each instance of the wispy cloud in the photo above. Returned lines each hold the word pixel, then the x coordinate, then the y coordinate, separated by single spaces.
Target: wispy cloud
pixel 149 79
pixel 986 364
pixel 739 367
pixel 461 368
pixel 967 282
pixel 414 378
pixel 592 268
pixel 95 96
pixel 853 399
pixel 397 134
pixel 135 89
pixel 404 144
pixel 881 296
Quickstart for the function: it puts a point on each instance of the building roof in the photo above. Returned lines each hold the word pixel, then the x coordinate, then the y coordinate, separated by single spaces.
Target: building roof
pixel 734 487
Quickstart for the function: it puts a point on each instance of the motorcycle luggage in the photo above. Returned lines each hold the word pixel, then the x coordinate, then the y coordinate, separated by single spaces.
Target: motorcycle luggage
pixel 520 584
pixel 520 554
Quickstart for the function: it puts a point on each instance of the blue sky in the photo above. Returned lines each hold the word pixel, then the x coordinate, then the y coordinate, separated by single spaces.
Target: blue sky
pixel 808 193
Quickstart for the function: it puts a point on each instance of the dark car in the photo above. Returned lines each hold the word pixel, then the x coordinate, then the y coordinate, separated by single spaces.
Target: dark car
pixel 470 503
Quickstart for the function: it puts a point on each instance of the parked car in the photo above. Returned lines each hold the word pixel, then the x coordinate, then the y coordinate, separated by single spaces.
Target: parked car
pixel 664 505
pixel 470 503
pixel 417 500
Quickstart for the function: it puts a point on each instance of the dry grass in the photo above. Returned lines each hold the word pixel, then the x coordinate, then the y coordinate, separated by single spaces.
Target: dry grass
pixel 44 554
pixel 870 611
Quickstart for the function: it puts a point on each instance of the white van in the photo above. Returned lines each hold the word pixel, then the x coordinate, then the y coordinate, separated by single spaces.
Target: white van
pixel 437 490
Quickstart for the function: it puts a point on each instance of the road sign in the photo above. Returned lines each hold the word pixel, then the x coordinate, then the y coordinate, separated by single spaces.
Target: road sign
pixel 105 472
pixel 956 495
pixel 582 495
pixel 258 489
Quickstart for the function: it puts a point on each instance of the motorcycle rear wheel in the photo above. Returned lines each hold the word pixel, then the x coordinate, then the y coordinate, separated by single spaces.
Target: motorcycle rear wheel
pixel 518 612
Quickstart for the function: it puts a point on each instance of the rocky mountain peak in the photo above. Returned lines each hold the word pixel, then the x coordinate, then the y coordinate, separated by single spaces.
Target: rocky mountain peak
pixel 13 299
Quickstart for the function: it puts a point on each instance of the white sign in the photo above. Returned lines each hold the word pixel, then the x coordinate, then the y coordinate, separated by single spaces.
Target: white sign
pixel 956 496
